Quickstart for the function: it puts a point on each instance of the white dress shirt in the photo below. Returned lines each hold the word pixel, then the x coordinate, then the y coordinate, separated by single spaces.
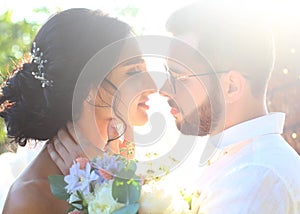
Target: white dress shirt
pixel 254 171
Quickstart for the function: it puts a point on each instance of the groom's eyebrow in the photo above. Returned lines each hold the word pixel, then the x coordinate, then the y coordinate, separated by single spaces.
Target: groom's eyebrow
pixel 134 61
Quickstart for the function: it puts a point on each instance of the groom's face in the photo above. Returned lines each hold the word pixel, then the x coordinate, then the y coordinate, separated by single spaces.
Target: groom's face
pixel 195 101
pixel 195 107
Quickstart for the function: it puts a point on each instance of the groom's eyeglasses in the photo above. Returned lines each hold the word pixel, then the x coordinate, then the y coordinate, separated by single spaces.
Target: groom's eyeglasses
pixel 172 79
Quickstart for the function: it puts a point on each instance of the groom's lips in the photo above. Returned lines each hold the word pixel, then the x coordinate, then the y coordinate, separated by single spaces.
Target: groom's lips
pixel 174 111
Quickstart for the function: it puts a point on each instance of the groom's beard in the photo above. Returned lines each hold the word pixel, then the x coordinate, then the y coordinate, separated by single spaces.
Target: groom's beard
pixel 203 120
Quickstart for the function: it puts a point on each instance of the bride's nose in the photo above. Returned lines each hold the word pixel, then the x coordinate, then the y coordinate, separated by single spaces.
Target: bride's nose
pixel 166 90
pixel 148 84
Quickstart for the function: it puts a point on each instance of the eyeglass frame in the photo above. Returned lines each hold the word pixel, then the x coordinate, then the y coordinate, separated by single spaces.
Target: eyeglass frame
pixel 172 79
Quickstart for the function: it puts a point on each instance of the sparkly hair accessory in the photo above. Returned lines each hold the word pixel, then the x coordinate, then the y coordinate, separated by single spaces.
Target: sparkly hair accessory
pixel 37 57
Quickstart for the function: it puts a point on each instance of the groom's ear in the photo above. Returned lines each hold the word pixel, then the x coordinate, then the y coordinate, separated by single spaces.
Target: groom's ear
pixel 233 84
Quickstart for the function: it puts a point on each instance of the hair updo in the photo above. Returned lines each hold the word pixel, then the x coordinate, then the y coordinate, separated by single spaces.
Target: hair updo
pixel 68 40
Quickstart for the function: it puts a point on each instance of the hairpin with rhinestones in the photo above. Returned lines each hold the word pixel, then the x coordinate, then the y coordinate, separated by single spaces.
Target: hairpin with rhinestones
pixel 37 56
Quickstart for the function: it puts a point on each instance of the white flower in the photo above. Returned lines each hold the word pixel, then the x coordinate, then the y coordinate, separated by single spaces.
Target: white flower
pixel 102 200
pixel 79 179
pixel 154 198
pixel 159 198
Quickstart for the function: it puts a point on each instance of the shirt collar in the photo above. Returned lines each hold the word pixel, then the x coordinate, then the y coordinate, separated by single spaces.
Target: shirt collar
pixel 271 123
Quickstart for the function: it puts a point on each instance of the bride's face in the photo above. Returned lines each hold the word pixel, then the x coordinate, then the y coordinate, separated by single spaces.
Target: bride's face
pixel 126 89
pixel 134 85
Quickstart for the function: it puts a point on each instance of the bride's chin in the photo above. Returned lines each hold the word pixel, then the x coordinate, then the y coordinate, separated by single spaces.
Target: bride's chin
pixel 139 120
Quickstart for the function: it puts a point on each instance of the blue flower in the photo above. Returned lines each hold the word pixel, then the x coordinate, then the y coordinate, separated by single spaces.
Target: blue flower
pixel 111 164
pixel 80 179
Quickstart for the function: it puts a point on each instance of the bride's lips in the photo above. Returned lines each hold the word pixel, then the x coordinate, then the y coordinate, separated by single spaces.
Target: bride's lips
pixel 143 104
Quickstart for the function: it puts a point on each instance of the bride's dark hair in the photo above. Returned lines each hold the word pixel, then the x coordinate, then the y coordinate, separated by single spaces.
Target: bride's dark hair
pixel 68 40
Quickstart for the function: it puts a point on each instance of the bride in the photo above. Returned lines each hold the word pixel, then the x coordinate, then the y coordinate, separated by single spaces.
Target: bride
pixel 38 99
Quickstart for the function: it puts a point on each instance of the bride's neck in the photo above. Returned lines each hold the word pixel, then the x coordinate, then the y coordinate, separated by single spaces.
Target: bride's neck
pixel 94 131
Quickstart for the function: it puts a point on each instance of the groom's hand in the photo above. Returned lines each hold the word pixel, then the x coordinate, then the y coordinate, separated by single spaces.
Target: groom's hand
pixel 64 149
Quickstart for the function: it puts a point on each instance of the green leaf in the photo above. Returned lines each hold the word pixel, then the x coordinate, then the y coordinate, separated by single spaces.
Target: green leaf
pixel 129 171
pixel 57 186
pixel 125 174
pixel 129 209
pixel 132 166
pixel 72 208
pixel 126 190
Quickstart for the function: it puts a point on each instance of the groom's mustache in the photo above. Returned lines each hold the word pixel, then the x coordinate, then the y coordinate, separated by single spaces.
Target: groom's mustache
pixel 172 103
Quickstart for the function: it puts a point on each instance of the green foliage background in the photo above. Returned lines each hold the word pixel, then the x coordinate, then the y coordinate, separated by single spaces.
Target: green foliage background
pixel 15 40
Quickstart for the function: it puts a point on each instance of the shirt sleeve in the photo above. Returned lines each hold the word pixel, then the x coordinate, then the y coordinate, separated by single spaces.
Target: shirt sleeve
pixel 249 189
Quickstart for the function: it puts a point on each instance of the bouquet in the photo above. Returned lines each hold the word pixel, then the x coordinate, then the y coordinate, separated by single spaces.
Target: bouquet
pixel 105 184
pixel 109 184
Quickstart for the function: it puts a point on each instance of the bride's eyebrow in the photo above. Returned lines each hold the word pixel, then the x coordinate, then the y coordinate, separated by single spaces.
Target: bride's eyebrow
pixel 175 69
pixel 134 61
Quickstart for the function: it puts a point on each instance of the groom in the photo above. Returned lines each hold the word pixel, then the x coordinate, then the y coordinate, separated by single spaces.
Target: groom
pixel 253 170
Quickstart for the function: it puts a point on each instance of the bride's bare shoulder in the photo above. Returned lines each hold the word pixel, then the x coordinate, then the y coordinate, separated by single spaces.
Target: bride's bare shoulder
pixel 31 197
pixel 31 193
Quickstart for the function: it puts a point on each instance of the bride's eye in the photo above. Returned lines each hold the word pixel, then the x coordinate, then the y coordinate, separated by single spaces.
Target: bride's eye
pixel 134 72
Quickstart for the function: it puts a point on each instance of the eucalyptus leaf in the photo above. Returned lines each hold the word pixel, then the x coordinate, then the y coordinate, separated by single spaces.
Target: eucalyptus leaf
pixel 57 186
pixel 129 209
pixel 126 191
pixel 125 173
pixel 132 166
pixel 129 170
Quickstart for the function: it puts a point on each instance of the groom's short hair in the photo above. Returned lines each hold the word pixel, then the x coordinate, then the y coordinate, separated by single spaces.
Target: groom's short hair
pixel 234 36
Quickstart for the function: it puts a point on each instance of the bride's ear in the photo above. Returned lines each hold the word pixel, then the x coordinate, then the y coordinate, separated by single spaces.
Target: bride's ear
pixel 233 84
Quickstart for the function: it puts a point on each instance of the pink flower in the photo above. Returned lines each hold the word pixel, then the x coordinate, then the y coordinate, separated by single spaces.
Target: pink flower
pixel 82 162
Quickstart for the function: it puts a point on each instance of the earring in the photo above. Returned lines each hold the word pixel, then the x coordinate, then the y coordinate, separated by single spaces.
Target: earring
pixel 88 99
pixel 2 107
